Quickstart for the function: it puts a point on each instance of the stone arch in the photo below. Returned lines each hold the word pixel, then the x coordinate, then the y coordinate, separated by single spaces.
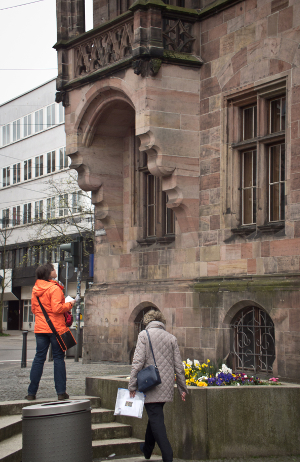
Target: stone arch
pixel 252 338
pixel 231 313
pixel 134 318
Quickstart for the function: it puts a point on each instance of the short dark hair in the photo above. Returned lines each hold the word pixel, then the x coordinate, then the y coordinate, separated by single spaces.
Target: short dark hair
pixel 44 271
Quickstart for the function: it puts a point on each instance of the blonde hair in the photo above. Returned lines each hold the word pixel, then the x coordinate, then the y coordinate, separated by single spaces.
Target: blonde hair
pixel 154 315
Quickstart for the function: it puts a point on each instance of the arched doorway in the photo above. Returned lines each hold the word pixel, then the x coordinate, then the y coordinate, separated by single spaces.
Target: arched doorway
pixel 253 341
pixel 139 326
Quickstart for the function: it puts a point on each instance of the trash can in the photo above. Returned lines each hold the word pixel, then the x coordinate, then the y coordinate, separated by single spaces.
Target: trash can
pixel 71 351
pixel 59 431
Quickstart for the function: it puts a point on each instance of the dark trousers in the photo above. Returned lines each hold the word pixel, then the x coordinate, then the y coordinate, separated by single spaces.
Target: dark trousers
pixel 42 344
pixel 156 432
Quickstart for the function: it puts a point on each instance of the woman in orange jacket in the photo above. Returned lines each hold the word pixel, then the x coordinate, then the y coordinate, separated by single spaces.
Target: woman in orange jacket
pixel 51 296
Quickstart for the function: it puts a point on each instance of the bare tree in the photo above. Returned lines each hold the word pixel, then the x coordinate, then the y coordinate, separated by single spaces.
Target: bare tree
pixel 69 212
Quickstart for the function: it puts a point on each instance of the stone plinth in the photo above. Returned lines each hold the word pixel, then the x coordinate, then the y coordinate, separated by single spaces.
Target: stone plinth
pixel 217 422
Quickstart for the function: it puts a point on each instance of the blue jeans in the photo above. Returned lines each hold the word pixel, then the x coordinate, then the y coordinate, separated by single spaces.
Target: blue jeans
pixel 42 346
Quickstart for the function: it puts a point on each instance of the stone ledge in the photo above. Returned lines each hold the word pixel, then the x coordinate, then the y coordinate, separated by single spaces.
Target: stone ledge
pixel 218 422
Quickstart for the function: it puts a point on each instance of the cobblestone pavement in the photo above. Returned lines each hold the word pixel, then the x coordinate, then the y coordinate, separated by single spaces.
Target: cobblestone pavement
pixel 14 381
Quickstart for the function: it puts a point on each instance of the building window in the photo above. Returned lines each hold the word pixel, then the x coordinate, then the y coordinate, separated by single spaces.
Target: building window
pixel 26 214
pixel 50 208
pixel 249 122
pixel 16 130
pixel 27 313
pixel 158 219
pixel 277 115
pixel 38 211
pixel 249 187
pixel 253 340
pixel 77 202
pixel 27 125
pixel 38 119
pixel 27 169
pixel 257 138
pixel 63 205
pixel 5 134
pixel 50 115
pixel 16 215
pixel 151 206
pixel 51 162
pixel 63 159
pixel 5 311
pixel 20 257
pixel 16 173
pixel 38 166
pixel 6 176
pixel 5 218
pixel 61 112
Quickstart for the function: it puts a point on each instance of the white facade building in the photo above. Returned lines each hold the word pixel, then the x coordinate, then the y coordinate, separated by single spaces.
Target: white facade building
pixel 35 189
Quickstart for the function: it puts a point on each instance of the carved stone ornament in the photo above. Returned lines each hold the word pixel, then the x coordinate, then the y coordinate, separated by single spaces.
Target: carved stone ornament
pixel 62 97
pixel 146 67
pixel 104 49
pixel 177 36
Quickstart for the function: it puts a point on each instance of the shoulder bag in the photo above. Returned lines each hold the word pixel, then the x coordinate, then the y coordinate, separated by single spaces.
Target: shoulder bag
pixel 65 340
pixel 149 376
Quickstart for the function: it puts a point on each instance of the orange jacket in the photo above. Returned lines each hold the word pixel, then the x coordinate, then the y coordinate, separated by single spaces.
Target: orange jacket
pixel 53 300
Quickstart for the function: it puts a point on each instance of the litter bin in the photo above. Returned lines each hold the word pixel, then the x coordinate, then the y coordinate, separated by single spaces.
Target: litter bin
pixel 71 351
pixel 59 431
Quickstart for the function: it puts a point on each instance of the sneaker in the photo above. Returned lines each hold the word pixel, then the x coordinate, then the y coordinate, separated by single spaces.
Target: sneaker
pixel 30 397
pixel 142 449
pixel 63 396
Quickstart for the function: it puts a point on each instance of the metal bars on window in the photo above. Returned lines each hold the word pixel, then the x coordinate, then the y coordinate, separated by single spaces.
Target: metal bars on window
pixel 253 340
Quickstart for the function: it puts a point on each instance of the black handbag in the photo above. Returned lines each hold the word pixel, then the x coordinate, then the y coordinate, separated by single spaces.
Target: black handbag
pixel 65 340
pixel 148 377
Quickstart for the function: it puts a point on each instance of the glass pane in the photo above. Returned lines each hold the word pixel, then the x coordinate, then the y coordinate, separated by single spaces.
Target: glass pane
pixel 248 206
pixel 282 163
pixel 25 312
pixel 248 123
pixel 275 115
pixel 282 201
pixel 151 221
pixel 48 162
pixel 248 172
pixel 274 163
pixel 274 202
pixel 151 189
pixel 29 124
pixel 53 161
pixel 283 107
pixel 170 221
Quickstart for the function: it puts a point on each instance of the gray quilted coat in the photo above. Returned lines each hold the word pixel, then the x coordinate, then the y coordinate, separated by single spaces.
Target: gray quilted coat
pixel 168 361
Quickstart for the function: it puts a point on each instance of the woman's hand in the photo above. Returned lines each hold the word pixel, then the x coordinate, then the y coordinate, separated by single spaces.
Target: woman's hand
pixel 132 394
pixel 72 303
pixel 183 395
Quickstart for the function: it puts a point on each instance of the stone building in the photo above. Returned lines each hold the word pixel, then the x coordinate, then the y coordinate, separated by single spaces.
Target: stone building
pixel 182 118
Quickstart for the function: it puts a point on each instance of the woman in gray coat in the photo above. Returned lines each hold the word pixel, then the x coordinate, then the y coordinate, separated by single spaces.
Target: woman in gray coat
pixel 169 362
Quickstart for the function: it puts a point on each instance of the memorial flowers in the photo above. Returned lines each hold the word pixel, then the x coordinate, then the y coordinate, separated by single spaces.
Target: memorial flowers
pixel 208 374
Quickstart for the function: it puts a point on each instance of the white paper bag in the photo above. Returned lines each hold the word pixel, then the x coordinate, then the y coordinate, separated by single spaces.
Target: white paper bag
pixel 129 406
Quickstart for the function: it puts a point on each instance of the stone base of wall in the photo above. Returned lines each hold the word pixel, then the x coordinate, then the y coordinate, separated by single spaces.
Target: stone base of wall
pixel 220 422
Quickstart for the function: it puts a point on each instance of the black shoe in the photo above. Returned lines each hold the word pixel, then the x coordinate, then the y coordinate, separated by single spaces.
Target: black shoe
pixel 63 396
pixel 142 449
pixel 30 397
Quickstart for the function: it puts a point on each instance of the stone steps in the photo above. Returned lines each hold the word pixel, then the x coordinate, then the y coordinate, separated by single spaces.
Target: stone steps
pixel 109 437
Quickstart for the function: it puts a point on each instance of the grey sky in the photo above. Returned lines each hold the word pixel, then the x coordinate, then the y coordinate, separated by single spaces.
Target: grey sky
pixel 27 35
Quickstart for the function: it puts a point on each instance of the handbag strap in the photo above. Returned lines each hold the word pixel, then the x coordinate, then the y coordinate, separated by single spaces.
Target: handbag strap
pixel 151 348
pixel 49 322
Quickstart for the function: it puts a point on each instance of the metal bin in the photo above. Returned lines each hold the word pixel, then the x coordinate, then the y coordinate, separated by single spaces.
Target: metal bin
pixel 59 431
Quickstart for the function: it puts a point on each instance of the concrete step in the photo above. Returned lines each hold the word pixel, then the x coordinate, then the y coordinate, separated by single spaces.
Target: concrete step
pixel 110 430
pixel 10 425
pixel 15 407
pixel 100 415
pixel 118 447
pixel 154 458
pixel 11 449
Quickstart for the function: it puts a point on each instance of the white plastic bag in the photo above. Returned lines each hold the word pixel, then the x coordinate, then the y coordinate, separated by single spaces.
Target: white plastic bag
pixel 129 406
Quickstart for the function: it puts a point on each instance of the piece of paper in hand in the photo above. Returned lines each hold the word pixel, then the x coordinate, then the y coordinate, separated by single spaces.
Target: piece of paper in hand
pixel 68 299
pixel 129 406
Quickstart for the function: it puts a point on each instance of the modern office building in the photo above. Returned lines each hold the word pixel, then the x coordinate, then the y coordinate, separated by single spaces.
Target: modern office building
pixel 38 199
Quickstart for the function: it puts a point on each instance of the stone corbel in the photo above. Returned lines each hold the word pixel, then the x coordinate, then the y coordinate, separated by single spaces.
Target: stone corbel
pixel 181 187
pixel 87 179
